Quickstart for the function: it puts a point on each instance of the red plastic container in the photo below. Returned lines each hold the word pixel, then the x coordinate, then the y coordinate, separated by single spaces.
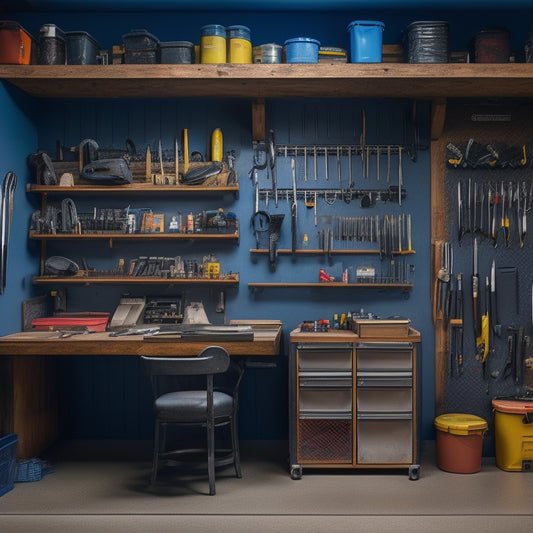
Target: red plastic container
pixel 460 442
pixel 16 44
pixel 93 322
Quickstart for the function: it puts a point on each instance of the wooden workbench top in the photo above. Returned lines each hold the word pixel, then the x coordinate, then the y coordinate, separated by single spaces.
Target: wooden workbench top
pixel 266 342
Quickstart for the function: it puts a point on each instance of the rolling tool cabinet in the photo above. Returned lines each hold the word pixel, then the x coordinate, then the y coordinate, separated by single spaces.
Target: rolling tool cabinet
pixel 353 402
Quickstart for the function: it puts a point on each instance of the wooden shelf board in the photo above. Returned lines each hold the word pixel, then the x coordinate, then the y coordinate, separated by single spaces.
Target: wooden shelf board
pixel 332 285
pixel 133 236
pixel 143 280
pixel 134 188
pixel 322 80
pixel 286 251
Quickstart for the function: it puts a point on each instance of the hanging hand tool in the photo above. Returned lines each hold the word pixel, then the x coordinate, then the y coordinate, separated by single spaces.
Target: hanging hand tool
pixel 505 215
pixel 378 155
pixel 400 175
pixel 339 163
pixel 482 340
pixel 475 292
pixel 272 164
pixel 294 207
pixel 457 327
pixel 326 169
pixel 305 163
pixel 363 143
pixel 388 163
pixel 409 243
pixel 350 181
pixel 460 213
pixel 496 326
pixel 185 151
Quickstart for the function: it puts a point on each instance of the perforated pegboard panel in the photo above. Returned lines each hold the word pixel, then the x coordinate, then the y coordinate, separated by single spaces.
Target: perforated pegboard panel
pixel 501 124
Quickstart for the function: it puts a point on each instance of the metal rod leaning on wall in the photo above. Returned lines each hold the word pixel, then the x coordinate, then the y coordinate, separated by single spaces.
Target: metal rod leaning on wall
pixel 6 214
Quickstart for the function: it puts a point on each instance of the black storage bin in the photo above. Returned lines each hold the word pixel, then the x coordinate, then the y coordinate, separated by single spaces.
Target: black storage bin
pixel 140 47
pixel 175 52
pixel 82 48
pixel 52 45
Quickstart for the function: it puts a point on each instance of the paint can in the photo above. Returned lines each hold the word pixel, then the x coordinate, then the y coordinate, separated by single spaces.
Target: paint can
pixel 51 45
pixel 427 42
pixel 267 53
pixel 213 44
pixel 366 38
pixel 82 48
pixel 176 52
pixel 302 50
pixel 239 44
pixel 492 46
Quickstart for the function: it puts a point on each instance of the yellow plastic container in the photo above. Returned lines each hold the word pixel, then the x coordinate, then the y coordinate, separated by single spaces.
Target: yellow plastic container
pixel 460 442
pixel 513 426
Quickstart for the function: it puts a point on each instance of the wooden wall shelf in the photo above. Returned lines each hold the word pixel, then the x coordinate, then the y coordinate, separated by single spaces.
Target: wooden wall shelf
pixel 347 80
pixel 331 285
pixel 140 280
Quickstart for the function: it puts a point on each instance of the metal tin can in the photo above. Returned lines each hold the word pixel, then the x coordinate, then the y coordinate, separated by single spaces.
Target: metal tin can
pixel 267 53
pixel 213 44
pixel 239 44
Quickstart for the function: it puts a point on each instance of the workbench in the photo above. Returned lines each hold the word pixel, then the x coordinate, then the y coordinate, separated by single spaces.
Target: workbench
pixel 28 371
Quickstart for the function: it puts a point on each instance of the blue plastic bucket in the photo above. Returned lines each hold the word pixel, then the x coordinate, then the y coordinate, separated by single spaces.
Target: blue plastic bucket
pixel 366 39
pixel 302 50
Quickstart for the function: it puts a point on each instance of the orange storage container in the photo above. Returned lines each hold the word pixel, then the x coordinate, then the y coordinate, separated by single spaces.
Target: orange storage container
pixel 16 44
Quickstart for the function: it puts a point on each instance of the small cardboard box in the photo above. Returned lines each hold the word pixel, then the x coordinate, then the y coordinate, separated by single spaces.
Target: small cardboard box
pixel 384 329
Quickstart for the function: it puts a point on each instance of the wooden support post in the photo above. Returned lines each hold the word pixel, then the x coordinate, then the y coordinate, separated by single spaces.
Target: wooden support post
pixel 258 120
pixel 439 234
pixel 438 116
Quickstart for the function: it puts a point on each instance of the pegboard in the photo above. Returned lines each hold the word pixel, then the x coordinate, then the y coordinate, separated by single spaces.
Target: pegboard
pixel 501 124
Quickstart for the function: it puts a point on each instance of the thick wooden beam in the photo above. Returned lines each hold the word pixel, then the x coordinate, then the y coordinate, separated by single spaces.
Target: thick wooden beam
pixel 438 117
pixel 258 120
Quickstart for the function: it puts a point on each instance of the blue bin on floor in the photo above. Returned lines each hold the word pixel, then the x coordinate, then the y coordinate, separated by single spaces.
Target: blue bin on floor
pixel 8 462
pixel 366 41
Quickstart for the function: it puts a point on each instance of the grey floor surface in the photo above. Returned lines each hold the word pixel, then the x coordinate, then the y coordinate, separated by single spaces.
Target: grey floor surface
pixel 98 486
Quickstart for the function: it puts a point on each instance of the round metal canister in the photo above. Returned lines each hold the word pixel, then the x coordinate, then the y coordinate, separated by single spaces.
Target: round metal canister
pixel 213 44
pixel 267 53
pixel 239 45
pixel 492 46
pixel 51 45
pixel 427 42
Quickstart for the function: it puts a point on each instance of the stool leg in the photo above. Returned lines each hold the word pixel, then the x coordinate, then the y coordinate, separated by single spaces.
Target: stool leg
pixel 235 446
pixel 156 453
pixel 211 455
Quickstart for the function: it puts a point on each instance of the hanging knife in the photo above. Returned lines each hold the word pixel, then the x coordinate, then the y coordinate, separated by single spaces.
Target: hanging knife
pixel 475 291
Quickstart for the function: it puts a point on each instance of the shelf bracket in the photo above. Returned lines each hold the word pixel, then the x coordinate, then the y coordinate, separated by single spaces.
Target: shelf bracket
pixel 258 120
pixel 438 117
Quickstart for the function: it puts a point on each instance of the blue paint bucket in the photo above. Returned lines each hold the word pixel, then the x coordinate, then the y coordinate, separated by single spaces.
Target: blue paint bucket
pixel 302 50
pixel 366 38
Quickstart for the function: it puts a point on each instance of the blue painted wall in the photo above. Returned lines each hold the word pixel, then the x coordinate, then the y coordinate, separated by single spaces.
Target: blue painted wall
pixel 18 136
pixel 93 386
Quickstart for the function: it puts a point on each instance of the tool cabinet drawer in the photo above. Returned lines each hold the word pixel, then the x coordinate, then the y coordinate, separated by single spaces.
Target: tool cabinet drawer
pixel 326 357
pixel 384 440
pixel 319 402
pixel 391 356
pixel 384 400
pixel 325 441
